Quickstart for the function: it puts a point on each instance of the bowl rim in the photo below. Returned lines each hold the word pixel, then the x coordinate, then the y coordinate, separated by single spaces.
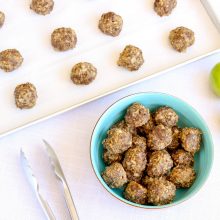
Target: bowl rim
pixel 148 207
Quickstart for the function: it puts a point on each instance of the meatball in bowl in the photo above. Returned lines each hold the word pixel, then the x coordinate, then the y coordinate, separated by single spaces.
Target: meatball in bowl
pixel 151 150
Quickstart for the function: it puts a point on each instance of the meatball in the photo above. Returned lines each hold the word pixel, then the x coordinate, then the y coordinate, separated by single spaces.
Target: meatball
pixel 166 116
pixel 137 115
pixel 135 192
pixel 42 7
pixel 160 163
pixel 160 191
pixel 159 138
pixel 181 38
pixel 176 138
pixel 10 60
pixel 138 141
pixel 182 157
pixel 164 7
pixel 134 163
pixel 115 175
pixel 131 58
pixel 191 139
pixel 2 18
pixel 25 96
pixel 146 128
pixel 118 141
pixel 128 127
pixel 63 39
pixel 182 176
pixel 83 73
pixel 110 158
pixel 111 24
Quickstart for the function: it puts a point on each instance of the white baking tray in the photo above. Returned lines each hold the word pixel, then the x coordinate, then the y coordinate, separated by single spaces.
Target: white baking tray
pixel 49 70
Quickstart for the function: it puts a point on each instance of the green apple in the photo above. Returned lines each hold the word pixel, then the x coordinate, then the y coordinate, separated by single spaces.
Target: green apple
pixel 215 79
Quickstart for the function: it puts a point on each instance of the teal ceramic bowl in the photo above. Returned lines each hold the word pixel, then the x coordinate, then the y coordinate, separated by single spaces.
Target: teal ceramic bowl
pixel 188 117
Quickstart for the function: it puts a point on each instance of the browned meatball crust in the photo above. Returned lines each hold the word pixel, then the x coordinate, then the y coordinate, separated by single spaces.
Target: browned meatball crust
pixel 159 138
pixel 146 128
pixel 182 157
pixel 42 7
pixel 138 141
pixel 83 73
pixel 181 38
pixel 111 24
pixel 118 141
pixel 2 18
pixel 25 96
pixel 175 138
pixel 115 175
pixel 191 139
pixel 10 60
pixel 131 58
pixel 128 127
pixel 110 158
pixel 182 176
pixel 135 192
pixel 159 164
pixel 63 39
pixel 137 115
pixel 164 7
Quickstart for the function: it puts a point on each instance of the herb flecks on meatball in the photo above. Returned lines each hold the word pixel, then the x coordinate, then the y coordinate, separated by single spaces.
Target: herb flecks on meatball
pixel 164 7
pixel 42 7
pixel 110 158
pixel 176 138
pixel 182 157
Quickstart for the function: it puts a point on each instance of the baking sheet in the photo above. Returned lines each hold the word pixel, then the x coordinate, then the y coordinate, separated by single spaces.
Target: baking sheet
pixel 49 70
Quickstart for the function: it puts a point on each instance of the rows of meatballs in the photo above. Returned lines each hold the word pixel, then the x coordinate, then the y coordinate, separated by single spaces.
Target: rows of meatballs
pixel 65 38
pixel 149 156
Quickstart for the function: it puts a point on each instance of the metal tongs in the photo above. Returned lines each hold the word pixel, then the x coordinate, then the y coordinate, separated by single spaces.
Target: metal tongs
pixel 60 175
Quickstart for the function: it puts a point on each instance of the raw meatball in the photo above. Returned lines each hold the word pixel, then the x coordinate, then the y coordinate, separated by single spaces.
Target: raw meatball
pixel 134 163
pixel 115 175
pixel 83 73
pixel 131 58
pixel 160 191
pixel 138 141
pixel 181 38
pixel 191 139
pixel 10 60
pixel 110 158
pixel 159 138
pixel 135 192
pixel 182 157
pixel 160 163
pixel 164 7
pixel 146 128
pixel 118 141
pixel 25 96
pixel 111 24
pixel 166 116
pixel 42 7
pixel 137 115
pixel 176 138
pixel 63 39
pixel 123 125
pixel 182 176
pixel 2 18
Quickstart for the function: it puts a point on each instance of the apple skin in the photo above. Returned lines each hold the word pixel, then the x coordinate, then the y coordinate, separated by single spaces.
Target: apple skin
pixel 215 79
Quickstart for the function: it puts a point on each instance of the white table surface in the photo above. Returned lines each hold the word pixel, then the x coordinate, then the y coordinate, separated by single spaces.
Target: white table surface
pixel 70 135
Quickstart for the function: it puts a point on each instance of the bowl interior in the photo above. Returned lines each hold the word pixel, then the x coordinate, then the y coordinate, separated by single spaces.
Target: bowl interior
pixel 188 117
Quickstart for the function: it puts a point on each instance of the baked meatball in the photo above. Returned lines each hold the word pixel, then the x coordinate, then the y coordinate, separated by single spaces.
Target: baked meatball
pixel 135 192
pixel 110 158
pixel 118 141
pixel 2 18
pixel 63 39
pixel 160 191
pixel 83 73
pixel 159 138
pixel 159 164
pixel 42 7
pixel 146 128
pixel 10 60
pixel 181 38
pixel 134 163
pixel 137 115
pixel 111 24
pixel 166 116
pixel 115 175
pixel 128 127
pixel 176 138
pixel 138 141
pixel 182 157
pixel 182 176
pixel 191 139
pixel 25 96
pixel 131 58
pixel 164 7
